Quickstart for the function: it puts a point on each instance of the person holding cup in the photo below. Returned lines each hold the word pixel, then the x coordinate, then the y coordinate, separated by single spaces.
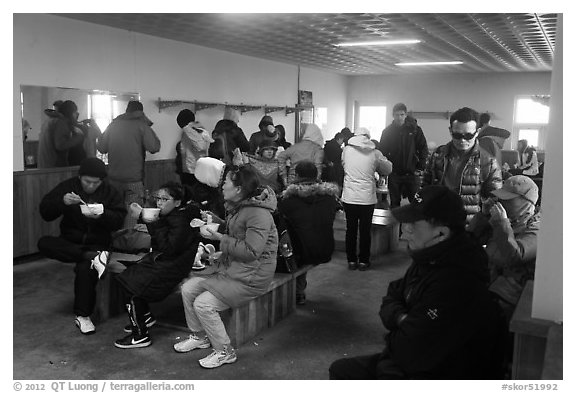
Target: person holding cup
pixel 249 245
pixel 154 277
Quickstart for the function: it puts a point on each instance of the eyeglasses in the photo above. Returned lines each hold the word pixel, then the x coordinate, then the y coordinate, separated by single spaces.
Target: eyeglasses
pixel 163 199
pixel 459 136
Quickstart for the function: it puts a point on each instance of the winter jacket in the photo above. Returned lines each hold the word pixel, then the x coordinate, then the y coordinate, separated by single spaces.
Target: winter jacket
pixel 269 171
pixel 481 175
pixel 174 245
pixel 249 250
pixel 308 209
pixel 511 251
pixel 309 148
pixel 76 227
pixel 227 137
pixel 361 161
pixel 57 137
pixel 258 137
pixel 529 162
pixel 442 321
pixel 194 145
pixel 126 141
pixel 333 170
pixel 405 146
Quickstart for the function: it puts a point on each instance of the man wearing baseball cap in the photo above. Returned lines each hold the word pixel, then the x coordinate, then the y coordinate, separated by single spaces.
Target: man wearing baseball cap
pixel 509 228
pixel 441 318
pixel 90 209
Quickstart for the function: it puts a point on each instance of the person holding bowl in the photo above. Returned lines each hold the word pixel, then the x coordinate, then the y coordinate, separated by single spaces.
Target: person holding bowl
pixel 249 245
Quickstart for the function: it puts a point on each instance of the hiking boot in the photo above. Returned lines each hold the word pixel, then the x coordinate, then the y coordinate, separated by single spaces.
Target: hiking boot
pixel 149 320
pixel 192 342
pixel 100 261
pixel 218 358
pixel 85 325
pixel 133 341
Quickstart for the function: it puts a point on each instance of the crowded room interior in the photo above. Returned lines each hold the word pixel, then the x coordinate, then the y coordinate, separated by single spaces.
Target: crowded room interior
pixel 287 196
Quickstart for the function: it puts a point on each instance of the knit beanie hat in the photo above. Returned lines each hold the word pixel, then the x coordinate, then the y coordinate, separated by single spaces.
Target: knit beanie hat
pixel 210 171
pixel 92 167
pixel 185 117
pixel 231 114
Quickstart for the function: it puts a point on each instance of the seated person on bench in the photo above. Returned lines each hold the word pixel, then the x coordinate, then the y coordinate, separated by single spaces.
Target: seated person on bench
pixel 85 231
pixel 509 229
pixel 308 208
pixel 174 246
pixel 441 319
pixel 247 264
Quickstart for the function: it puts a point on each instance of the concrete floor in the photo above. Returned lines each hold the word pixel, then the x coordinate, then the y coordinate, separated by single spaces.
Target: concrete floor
pixel 339 320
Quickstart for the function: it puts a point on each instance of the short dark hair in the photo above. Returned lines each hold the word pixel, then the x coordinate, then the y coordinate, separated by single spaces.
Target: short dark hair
pixel 185 117
pixel 464 115
pixel 134 106
pixel 174 189
pixel 399 107
pixel 484 119
pixel 246 178
pixel 306 170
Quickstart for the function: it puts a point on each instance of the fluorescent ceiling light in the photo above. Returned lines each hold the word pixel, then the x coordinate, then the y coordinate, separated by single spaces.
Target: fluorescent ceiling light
pixel 379 43
pixel 427 63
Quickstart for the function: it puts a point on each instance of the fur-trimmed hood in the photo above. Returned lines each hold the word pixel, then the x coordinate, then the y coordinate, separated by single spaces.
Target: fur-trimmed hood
pixel 311 189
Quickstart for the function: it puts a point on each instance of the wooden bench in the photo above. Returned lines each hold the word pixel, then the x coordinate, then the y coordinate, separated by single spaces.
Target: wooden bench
pixel 242 323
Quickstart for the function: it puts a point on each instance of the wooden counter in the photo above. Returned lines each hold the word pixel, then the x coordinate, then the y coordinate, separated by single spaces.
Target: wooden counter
pixel 30 186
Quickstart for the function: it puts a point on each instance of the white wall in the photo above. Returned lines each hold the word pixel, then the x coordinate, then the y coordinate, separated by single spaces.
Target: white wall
pixel 55 51
pixel 494 93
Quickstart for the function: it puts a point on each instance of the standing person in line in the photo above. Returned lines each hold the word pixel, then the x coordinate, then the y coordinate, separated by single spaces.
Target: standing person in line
pixel 267 131
pixel 228 137
pixel 308 207
pixel 404 144
pixel 249 247
pixel 333 170
pixel 58 135
pixel 282 142
pixel 361 161
pixel 85 232
pixel 462 166
pixel 311 147
pixel 194 145
pixel 126 141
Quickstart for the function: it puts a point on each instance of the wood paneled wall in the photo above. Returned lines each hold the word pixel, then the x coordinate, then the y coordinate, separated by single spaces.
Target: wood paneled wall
pixel 30 186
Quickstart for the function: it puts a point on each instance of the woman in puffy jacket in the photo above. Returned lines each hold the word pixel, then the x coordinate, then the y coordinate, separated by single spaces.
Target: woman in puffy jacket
pixel 249 244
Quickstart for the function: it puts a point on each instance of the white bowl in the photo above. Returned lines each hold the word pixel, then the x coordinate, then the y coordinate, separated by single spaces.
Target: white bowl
pixel 205 233
pixel 150 213
pixel 92 208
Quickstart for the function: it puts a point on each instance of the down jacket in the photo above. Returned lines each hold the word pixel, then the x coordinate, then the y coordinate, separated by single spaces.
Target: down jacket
pixel 309 208
pixel 76 227
pixel 441 318
pixel 311 148
pixel 174 245
pixel 249 250
pixel 227 137
pixel 481 175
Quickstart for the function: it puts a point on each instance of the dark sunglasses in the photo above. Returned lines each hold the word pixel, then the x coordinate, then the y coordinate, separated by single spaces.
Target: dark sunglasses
pixel 460 136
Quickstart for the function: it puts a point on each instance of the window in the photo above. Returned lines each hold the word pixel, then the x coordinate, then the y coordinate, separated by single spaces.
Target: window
pixel 531 115
pixel 373 118
pixel 321 120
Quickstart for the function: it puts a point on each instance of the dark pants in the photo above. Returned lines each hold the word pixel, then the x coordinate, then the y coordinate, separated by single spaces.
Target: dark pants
pixel 401 185
pixel 137 308
pixel 86 278
pixel 301 284
pixel 365 367
pixel 358 216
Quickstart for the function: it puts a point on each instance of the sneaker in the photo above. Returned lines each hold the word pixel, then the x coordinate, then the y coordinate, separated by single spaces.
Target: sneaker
pixel 352 265
pixel 100 261
pixel 150 321
pixel 363 266
pixel 218 358
pixel 198 265
pixel 300 299
pixel 85 325
pixel 133 341
pixel 192 342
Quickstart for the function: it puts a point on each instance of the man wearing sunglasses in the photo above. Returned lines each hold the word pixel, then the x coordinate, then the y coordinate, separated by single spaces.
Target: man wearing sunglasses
pixel 462 166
